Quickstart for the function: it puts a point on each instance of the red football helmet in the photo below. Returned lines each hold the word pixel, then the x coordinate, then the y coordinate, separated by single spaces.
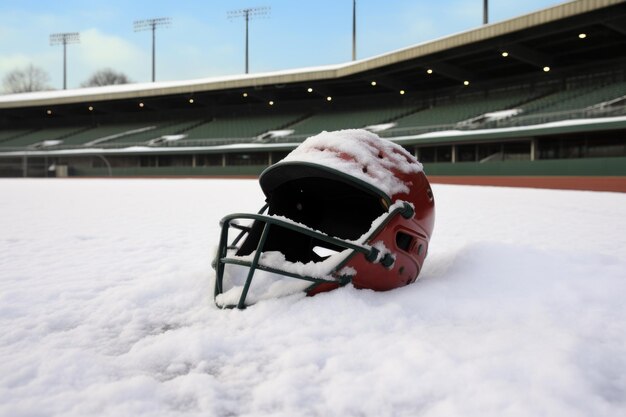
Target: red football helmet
pixel 342 207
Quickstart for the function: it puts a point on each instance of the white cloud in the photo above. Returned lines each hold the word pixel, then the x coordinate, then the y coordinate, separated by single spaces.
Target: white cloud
pixel 98 50
pixel 15 61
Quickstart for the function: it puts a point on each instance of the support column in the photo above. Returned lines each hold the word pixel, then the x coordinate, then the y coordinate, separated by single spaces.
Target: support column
pixel 533 149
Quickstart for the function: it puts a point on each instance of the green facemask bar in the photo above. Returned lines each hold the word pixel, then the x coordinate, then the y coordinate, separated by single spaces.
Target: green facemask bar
pixel 371 254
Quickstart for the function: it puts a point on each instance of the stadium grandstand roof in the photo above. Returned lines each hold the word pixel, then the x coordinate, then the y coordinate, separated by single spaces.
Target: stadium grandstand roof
pixel 548 40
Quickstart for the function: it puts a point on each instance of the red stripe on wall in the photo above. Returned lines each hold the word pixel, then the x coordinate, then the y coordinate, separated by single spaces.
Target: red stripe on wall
pixel 617 184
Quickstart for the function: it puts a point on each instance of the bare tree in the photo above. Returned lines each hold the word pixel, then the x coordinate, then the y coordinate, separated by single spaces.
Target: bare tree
pixel 105 77
pixel 31 78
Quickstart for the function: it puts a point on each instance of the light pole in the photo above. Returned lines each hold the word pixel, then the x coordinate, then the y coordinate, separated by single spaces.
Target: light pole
pixel 485 12
pixel 64 39
pixel 152 24
pixel 247 14
pixel 354 30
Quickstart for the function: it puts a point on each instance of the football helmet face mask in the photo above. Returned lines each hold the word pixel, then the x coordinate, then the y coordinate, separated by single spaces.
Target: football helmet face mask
pixel 343 207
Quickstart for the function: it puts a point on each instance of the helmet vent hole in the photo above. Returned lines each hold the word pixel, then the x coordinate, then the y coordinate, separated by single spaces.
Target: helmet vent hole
pixel 404 241
pixel 429 192
pixel 380 155
pixel 365 170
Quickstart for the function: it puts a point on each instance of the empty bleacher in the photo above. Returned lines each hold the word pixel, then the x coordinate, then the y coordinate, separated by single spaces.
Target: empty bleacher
pixel 349 118
pixel 241 126
pixel 412 116
pixel 157 132
pixel 446 114
pixel 576 98
pixel 8 134
pixel 105 133
pixel 34 137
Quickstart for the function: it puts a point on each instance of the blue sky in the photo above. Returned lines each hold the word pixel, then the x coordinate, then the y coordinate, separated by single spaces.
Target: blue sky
pixel 203 42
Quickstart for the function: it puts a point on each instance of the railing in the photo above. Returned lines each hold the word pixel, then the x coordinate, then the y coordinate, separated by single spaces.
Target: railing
pixel 534 119
pixel 513 121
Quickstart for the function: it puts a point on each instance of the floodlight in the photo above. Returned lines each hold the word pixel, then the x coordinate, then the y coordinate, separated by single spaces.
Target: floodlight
pixel 152 24
pixel 64 39
pixel 248 13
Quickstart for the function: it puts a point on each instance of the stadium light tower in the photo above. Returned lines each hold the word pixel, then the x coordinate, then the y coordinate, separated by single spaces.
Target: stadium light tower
pixel 64 39
pixel 152 24
pixel 248 13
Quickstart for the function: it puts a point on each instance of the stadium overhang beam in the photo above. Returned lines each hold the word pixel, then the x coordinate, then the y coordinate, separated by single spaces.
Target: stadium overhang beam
pixel 529 55
pixel 618 25
pixel 386 82
pixel 452 71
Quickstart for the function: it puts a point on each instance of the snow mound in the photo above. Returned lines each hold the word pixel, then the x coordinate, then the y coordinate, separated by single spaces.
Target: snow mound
pixel 106 309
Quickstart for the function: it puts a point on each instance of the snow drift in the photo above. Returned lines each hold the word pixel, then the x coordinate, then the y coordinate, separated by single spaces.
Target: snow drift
pixel 106 310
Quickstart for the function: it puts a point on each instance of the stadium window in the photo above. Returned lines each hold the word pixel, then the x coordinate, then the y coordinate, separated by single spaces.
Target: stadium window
pixel 118 162
pixel 430 154
pixel 602 147
pixel 466 153
pixel 488 152
pixel 175 160
pixel 208 160
pixel 427 154
pixel 277 156
pixel 548 148
pixel 560 148
pixel 255 158
pixel 444 154
pixel 148 161
pixel 516 151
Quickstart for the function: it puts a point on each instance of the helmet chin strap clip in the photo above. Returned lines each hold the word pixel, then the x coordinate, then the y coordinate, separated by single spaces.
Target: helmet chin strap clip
pixel 385 260
pixel 407 211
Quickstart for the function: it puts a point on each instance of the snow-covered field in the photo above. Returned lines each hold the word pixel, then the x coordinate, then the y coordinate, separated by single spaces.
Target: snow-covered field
pixel 106 310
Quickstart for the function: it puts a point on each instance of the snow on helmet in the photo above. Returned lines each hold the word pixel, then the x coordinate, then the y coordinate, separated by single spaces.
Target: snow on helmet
pixel 342 207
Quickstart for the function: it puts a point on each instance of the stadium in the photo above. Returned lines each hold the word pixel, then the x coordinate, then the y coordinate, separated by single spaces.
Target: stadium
pixel 203 248
pixel 537 100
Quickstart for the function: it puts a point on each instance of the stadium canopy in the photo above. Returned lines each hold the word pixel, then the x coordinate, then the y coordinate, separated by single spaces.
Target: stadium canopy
pixel 556 42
